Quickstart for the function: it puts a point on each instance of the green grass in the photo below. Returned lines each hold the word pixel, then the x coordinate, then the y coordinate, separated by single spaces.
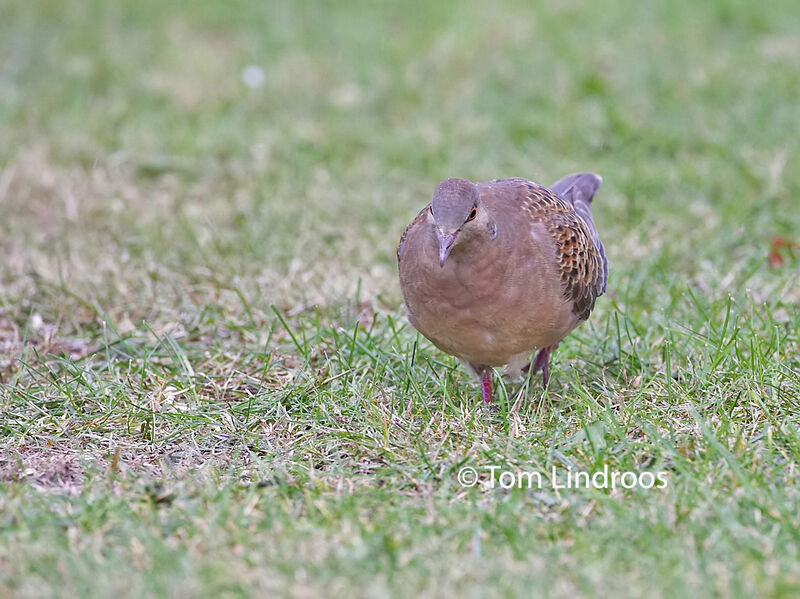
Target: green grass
pixel 207 383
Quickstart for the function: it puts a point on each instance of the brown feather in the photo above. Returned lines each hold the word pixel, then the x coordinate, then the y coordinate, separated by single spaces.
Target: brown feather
pixel 419 218
pixel 500 297
pixel 580 263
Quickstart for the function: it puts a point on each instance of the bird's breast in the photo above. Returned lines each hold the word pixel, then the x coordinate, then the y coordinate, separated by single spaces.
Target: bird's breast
pixel 488 304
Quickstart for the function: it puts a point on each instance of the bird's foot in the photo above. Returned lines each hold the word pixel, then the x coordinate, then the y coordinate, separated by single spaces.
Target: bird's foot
pixel 486 385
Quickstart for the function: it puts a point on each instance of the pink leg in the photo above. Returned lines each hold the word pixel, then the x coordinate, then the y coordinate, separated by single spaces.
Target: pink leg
pixel 542 362
pixel 486 385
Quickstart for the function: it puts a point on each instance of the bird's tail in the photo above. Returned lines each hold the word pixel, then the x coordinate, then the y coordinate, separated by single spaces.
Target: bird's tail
pixel 576 186
pixel 578 189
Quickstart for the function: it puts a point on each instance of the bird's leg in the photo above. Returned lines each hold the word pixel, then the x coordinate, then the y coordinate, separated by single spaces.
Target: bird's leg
pixel 546 371
pixel 486 385
pixel 542 362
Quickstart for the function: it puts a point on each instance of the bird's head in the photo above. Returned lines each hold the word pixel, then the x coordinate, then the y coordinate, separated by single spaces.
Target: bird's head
pixel 459 216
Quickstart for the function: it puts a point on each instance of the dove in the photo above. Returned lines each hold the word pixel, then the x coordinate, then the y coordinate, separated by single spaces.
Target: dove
pixel 492 271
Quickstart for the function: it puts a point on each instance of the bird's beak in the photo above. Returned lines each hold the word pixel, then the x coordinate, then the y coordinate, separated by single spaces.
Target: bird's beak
pixel 445 245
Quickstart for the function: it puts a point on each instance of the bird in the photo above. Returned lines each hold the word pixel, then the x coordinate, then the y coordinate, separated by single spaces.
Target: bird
pixel 492 271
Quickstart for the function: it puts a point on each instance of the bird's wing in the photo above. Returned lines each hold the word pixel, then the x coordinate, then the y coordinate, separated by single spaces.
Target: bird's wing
pixel 579 254
pixel 578 189
pixel 419 219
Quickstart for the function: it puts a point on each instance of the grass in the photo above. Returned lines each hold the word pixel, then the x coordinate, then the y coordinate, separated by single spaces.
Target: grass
pixel 208 386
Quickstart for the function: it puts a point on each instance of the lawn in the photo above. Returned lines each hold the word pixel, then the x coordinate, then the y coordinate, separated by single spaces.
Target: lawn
pixel 208 387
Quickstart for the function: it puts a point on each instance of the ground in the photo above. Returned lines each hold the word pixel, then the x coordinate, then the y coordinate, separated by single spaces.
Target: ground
pixel 207 383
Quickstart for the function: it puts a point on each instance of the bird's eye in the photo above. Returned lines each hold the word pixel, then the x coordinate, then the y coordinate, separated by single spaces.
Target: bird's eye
pixel 472 214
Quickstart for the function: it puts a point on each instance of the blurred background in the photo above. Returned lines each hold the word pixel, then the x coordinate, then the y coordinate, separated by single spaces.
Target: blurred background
pixel 288 143
pixel 208 386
